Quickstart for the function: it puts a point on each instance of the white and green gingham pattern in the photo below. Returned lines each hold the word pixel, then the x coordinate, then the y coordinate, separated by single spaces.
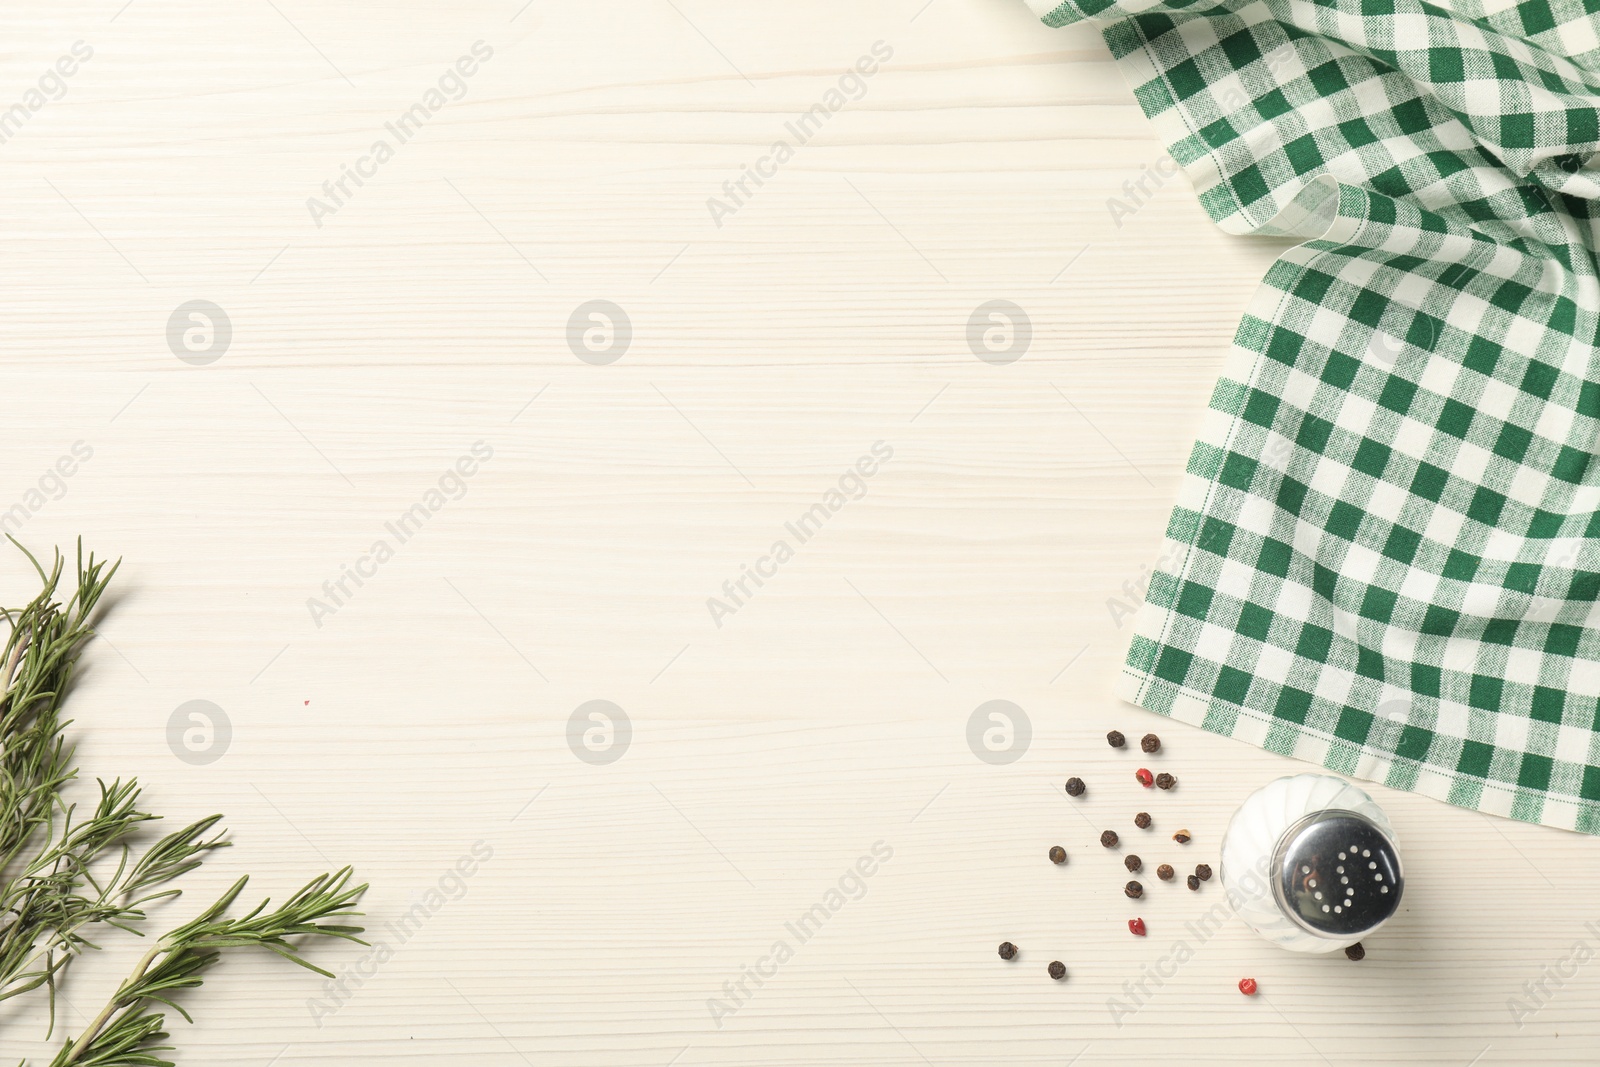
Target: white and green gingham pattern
pixel 1385 556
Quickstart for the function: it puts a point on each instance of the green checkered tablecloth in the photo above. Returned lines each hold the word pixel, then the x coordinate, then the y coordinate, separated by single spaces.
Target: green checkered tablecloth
pixel 1385 555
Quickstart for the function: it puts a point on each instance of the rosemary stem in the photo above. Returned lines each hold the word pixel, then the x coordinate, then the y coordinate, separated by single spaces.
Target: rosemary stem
pixel 87 1037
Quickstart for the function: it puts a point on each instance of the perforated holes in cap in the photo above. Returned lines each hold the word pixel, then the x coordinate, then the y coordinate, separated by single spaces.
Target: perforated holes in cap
pixel 1317 852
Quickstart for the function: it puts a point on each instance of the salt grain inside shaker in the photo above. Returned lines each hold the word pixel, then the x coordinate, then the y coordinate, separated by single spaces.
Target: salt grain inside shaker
pixel 1309 862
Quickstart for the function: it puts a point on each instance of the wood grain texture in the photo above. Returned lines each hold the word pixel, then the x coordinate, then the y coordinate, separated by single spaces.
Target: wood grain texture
pixel 829 712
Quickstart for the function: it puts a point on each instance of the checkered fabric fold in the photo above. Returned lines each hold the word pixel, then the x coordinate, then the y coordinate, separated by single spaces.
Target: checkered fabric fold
pixel 1385 556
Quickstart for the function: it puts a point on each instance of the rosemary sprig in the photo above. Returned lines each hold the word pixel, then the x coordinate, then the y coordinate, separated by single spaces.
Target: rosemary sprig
pixel 40 651
pixel 125 1031
pixel 57 897
pixel 49 894
pixel 63 875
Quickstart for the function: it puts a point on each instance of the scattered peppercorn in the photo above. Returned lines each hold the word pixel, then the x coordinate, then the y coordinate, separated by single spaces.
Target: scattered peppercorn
pixel 1355 952
pixel 1115 739
pixel 1192 882
pixel 1142 820
pixel 1136 927
pixel 1247 986
pixel 1008 951
pixel 1109 839
pixel 1150 743
pixel 1133 863
pixel 1203 872
pixel 1058 970
pixel 1144 777
pixel 1165 872
pixel 1074 787
pixel 1165 781
pixel 1133 889
pixel 1181 837
pixel 1058 854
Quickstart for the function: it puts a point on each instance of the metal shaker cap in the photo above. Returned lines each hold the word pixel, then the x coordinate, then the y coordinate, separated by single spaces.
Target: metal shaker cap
pixel 1337 875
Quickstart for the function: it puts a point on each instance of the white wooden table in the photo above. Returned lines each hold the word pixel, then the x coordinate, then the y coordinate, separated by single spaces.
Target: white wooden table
pixel 425 713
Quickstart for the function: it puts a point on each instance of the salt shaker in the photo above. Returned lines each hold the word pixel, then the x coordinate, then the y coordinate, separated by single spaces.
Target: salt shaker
pixel 1309 862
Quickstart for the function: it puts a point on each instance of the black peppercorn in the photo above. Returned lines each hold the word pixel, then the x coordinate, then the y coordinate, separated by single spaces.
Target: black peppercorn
pixel 1203 872
pixel 1133 889
pixel 1074 787
pixel 1109 839
pixel 1008 951
pixel 1355 952
pixel 1165 781
pixel 1193 882
pixel 1058 854
pixel 1164 872
pixel 1181 837
pixel 1142 820
pixel 1150 743
pixel 1133 863
pixel 1115 739
pixel 1058 970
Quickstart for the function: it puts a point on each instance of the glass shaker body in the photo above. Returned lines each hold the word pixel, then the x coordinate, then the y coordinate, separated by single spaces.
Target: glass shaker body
pixel 1310 863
